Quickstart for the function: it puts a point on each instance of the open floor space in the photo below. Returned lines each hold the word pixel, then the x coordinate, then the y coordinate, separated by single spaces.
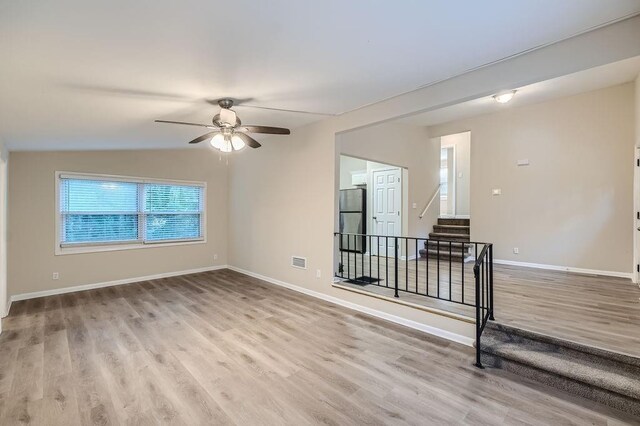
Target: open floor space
pixel 224 348
pixel 594 310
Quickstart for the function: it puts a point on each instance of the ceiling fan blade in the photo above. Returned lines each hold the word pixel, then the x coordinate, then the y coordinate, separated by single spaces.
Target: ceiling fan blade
pixel 208 126
pixel 266 129
pixel 204 137
pixel 228 116
pixel 243 105
pixel 248 140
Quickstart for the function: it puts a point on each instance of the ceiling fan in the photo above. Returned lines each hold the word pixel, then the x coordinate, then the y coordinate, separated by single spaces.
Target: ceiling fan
pixel 228 134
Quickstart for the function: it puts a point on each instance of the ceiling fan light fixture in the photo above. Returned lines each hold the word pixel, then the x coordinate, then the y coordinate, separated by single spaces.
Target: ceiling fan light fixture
pixel 217 141
pixel 237 143
pixel 504 97
pixel 226 145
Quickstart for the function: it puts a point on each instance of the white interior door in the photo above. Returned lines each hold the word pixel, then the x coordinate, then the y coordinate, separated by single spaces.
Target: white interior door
pixel 387 199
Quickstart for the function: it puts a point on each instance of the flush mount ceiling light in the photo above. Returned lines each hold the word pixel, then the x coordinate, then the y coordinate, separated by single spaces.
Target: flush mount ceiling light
pixel 504 97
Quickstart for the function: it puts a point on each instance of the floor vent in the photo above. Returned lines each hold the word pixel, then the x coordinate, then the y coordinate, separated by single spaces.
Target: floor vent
pixel 299 262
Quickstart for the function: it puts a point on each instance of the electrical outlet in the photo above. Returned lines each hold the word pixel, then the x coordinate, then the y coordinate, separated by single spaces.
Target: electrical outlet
pixel 318 273
pixel 55 276
pixel 516 250
pixel 215 257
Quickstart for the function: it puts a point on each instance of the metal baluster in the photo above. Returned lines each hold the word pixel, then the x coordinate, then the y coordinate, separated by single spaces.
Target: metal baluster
pixel 370 273
pixel 341 269
pixel 462 272
pixel 406 264
pixel 362 254
pixel 426 247
pixel 491 282
pixel 450 295
pixel 396 268
pixel 417 265
pixel 438 268
pixel 386 257
pixel 348 257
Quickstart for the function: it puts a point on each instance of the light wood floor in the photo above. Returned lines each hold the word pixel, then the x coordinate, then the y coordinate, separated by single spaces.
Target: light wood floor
pixel 223 348
pixel 594 310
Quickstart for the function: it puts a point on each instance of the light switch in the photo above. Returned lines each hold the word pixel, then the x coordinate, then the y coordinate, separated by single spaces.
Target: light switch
pixel 496 191
pixel 414 206
pixel 524 162
pixel 460 175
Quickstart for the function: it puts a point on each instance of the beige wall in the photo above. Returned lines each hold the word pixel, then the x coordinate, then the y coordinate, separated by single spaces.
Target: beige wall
pixel 573 205
pixel 462 144
pixel 408 147
pixel 300 171
pixel 282 203
pixel 32 218
pixel 4 164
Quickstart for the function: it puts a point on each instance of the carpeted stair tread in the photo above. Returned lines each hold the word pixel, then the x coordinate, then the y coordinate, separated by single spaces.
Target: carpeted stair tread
pixel 497 327
pixel 448 237
pixel 593 373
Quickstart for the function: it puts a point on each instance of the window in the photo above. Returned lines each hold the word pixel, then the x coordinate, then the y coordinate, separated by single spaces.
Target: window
pixel 111 212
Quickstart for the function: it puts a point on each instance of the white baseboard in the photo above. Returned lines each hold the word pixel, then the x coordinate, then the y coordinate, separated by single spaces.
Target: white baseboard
pixel 628 275
pixel 468 341
pixel 36 294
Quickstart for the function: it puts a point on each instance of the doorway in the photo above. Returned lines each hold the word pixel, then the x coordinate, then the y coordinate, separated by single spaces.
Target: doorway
pixel 455 175
pixel 447 181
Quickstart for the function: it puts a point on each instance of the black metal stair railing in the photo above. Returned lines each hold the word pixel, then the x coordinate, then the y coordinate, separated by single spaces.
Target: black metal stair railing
pixel 463 276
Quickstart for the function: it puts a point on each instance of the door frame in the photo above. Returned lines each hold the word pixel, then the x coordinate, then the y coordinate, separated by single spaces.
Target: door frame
pixel 370 208
pixel 451 185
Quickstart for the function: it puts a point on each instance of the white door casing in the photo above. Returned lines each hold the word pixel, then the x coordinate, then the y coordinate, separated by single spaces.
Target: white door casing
pixel 386 212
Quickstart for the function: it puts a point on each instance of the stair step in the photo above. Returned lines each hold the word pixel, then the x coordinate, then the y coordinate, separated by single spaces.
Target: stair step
pixel 451 229
pixel 453 221
pixel 448 237
pixel 444 255
pixel 444 245
pixel 607 377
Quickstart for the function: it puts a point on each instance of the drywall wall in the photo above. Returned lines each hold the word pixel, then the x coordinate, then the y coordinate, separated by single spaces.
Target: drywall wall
pixel 4 164
pixel 300 171
pixel 280 211
pixel 404 146
pixel 32 217
pixel 572 206
pixel 462 144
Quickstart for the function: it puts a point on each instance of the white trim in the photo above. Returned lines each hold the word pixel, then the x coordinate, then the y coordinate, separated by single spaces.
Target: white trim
pixel 628 275
pixel 468 341
pixel 60 250
pixel 36 294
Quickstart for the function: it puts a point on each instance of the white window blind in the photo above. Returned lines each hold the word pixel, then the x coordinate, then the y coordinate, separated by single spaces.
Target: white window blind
pixel 96 211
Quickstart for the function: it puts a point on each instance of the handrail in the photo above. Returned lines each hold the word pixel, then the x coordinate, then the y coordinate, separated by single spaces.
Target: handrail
pixel 483 274
pixel 430 201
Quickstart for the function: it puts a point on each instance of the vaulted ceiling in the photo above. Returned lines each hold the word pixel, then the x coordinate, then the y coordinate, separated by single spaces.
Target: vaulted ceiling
pixel 80 74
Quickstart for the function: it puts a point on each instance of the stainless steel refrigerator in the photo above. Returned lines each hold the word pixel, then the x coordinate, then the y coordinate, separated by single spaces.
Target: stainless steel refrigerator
pixel 353 219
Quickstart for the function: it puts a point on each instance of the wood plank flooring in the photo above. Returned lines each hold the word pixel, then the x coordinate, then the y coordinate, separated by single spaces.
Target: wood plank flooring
pixel 224 348
pixel 593 310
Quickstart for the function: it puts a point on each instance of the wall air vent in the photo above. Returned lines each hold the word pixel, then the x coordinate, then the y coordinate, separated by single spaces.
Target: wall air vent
pixel 299 262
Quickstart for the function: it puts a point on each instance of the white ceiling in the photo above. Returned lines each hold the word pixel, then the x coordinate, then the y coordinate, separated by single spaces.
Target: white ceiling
pixel 571 84
pixel 80 74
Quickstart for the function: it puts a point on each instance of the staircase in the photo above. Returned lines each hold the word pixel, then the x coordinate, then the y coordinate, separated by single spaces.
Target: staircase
pixel 449 229
pixel 607 377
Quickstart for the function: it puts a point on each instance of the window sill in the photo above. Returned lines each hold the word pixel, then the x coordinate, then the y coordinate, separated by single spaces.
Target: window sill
pixel 61 251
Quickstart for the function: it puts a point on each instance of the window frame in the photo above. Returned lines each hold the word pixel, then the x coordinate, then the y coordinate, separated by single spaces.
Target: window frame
pixel 91 247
